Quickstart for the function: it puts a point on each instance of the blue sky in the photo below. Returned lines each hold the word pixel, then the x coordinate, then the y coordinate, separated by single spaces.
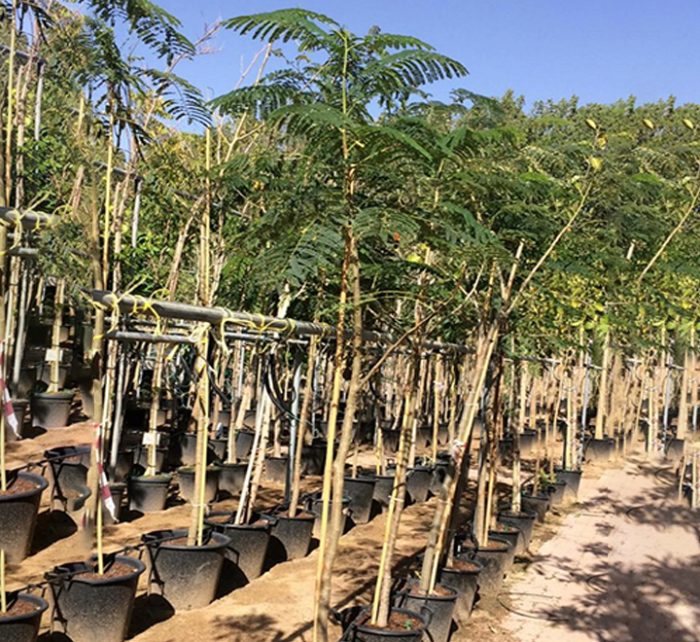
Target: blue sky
pixel 600 50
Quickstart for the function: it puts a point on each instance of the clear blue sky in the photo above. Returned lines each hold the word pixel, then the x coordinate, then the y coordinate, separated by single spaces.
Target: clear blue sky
pixel 600 50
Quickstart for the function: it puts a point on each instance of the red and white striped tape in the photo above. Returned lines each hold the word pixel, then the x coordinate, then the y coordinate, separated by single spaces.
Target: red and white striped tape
pixel 105 493
pixel 7 408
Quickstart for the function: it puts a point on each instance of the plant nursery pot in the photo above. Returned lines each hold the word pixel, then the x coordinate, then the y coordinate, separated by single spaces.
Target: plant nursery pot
pixel 572 479
pixel 424 436
pixel 219 448
pixel 293 533
pixel 314 457
pixel 232 477
pixel 125 462
pixel 528 442
pixel 45 375
pixel 557 493
pixel 161 457
pixel 188 576
pixel 185 478
pixel 188 449
pixel 248 543
pixel 21 624
pixel 537 504
pixel 525 522
pixel 674 448
pixel 360 490
pixel 69 467
pixel 390 440
pixel 443 467
pixel 512 535
pixel 19 506
pixel 495 560
pixel 440 604
pixel 27 379
pixel 148 493
pixel 418 481
pixel 600 450
pixel 463 576
pixel 316 506
pixel 51 409
pixel 276 469
pixel 93 606
pixel 244 443
pixel 404 626
pixel 383 487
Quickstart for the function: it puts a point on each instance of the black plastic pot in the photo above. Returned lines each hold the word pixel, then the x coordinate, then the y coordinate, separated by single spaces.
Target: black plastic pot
pixel 361 631
pixel 51 409
pixel 161 457
pixel 528 442
pixel 218 446
pixel 442 467
pixel 248 543
pixel 439 607
pixel 465 581
pixel 18 513
pixel 27 379
pixel 383 487
pixel 390 440
pixel 185 478
pixel 360 490
pixel 292 533
pixel 148 494
pixel 232 477
pixel 314 457
pixel 91 606
pixel 495 560
pixel 557 493
pixel 24 627
pixel 244 443
pixel 125 462
pixel 187 576
pixel 69 466
pixel 418 481
pixel 510 534
pixel 675 448
pixel 537 504
pixel 525 522
pixel 276 469
pixel 188 449
pixel 316 507
pixel 572 479
pixel 600 450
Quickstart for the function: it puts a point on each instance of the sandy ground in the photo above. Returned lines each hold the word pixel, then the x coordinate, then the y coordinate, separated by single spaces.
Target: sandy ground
pixel 622 564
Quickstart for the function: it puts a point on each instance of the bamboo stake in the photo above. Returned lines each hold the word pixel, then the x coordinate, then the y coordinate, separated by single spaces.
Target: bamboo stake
pixel 3 594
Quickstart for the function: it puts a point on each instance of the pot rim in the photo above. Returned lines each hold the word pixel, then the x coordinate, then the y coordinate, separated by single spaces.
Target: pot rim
pixel 137 565
pixel 39 601
pixel 61 395
pixel 42 485
pixel 223 541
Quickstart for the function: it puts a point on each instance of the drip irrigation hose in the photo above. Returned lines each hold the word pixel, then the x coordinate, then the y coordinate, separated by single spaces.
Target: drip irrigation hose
pixel 273 390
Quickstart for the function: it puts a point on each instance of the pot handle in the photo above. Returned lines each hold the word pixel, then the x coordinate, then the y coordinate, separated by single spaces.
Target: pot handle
pixel 429 617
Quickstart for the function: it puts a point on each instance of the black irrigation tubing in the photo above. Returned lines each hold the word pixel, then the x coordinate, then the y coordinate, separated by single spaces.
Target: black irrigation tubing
pixel 272 388
pixel 532 616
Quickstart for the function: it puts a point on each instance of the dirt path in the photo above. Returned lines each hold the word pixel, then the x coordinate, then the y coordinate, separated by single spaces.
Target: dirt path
pixel 623 566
